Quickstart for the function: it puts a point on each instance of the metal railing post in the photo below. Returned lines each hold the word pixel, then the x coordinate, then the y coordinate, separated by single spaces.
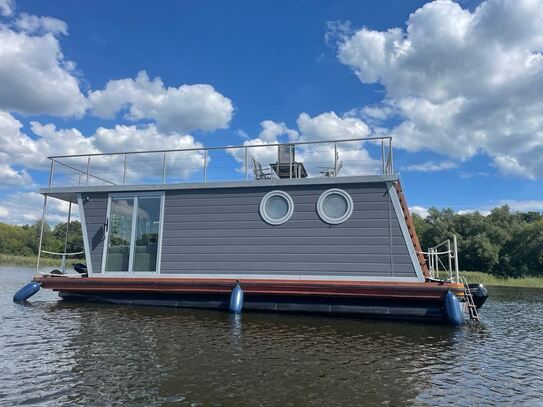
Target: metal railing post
pixel 383 156
pixel 164 168
pixel 51 172
pixel 455 243
pixel 205 165
pixel 290 163
pixel 246 163
pixel 88 169
pixel 335 159
pixel 124 169
pixel 390 152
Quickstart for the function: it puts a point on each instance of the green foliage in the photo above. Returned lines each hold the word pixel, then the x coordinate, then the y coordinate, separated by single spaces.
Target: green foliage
pixel 504 243
pixel 24 240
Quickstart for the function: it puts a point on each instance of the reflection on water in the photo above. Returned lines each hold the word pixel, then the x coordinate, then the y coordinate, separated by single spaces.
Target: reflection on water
pixel 89 354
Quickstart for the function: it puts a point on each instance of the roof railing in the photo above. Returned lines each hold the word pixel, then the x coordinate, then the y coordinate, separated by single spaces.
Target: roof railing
pixel 346 157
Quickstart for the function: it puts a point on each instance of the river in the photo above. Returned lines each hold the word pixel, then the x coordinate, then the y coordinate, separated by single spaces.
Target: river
pixel 54 353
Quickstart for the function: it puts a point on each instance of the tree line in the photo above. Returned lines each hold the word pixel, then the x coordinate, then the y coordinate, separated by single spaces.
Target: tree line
pixel 504 242
pixel 24 240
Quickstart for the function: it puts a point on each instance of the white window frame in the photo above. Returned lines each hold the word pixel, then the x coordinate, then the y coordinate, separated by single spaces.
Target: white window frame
pixel 326 218
pixel 265 200
pixel 135 196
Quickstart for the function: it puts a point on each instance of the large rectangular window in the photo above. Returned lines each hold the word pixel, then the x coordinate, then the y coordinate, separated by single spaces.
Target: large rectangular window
pixel 133 235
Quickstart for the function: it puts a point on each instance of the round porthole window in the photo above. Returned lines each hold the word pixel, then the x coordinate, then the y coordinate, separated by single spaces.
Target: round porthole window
pixel 335 206
pixel 276 207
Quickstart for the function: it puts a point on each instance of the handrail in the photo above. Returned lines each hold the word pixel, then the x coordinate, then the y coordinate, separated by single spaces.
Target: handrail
pixel 434 260
pixel 62 254
pixel 196 170
pixel 297 143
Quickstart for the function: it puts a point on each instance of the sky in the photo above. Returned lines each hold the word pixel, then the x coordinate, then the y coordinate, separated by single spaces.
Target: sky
pixel 457 85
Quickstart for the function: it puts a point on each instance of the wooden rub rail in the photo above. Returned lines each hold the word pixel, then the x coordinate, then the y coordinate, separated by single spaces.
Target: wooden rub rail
pixel 353 289
pixel 411 228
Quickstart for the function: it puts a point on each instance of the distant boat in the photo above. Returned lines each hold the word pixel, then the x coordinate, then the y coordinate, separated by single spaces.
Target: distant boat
pixel 251 228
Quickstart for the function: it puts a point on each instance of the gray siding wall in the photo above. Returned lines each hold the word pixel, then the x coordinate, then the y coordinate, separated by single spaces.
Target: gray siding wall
pixel 221 231
pixel 95 209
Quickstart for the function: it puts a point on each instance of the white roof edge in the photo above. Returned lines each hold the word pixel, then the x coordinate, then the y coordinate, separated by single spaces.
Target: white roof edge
pixel 207 185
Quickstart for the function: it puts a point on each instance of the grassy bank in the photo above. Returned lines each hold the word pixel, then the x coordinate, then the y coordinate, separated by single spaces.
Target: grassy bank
pixel 30 261
pixel 490 280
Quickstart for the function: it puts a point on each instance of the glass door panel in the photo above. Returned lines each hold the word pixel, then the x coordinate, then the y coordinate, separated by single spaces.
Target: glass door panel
pixel 120 234
pixel 147 230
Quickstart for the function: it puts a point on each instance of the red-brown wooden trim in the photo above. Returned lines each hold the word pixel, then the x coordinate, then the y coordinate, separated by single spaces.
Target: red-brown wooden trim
pixel 357 289
pixel 411 228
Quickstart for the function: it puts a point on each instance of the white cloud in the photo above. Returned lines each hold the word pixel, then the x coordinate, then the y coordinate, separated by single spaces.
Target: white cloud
pixel 18 148
pixel 186 108
pixel 35 77
pixel 461 82
pixel 431 166
pixel 419 210
pixel 328 126
pixel 524 206
pixel 12 177
pixel 41 25
pixel 24 208
pixel 7 7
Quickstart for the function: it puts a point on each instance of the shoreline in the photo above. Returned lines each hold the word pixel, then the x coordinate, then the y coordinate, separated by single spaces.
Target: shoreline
pixel 472 276
pixel 30 261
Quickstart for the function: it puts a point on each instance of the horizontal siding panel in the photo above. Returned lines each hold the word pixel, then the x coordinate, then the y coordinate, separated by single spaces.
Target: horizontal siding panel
pixel 255 216
pixel 306 227
pixel 288 241
pixel 275 233
pixel 254 207
pixel 274 249
pixel 256 192
pixel 337 258
pixel 258 267
pixel 179 202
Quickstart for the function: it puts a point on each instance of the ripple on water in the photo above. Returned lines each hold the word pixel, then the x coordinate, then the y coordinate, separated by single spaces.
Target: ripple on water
pixel 56 353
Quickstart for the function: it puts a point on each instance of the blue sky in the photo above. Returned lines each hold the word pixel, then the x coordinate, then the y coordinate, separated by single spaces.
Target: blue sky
pixel 274 61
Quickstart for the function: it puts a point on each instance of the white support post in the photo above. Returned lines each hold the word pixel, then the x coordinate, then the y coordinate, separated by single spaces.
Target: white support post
pixel 455 242
pixel 41 234
pixel 449 255
pixel 63 262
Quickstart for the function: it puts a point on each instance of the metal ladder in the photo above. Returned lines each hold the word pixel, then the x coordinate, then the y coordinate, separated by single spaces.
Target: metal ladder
pixel 472 308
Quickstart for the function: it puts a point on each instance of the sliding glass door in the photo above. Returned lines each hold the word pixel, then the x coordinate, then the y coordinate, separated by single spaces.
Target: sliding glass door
pixel 133 230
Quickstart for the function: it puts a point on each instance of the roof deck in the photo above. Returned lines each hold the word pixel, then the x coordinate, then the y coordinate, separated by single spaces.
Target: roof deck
pixel 252 164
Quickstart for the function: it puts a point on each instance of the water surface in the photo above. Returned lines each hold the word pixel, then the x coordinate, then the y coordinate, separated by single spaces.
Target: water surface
pixel 54 353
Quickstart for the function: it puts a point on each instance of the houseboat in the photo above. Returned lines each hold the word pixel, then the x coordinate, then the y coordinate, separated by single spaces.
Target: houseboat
pixel 318 227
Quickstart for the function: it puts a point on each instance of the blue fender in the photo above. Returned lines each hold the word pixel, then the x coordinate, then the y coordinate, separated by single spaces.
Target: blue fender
pixel 453 309
pixel 236 299
pixel 26 292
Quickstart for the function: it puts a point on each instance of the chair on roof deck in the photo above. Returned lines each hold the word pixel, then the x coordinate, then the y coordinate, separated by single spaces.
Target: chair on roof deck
pixel 330 172
pixel 262 173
